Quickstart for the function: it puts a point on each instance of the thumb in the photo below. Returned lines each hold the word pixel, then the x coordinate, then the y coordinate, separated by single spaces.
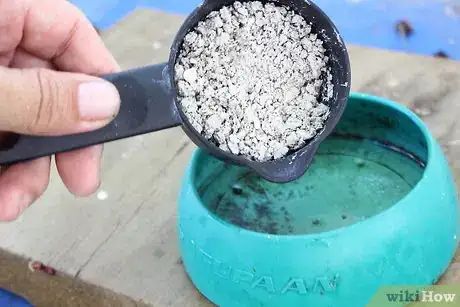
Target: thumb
pixel 47 102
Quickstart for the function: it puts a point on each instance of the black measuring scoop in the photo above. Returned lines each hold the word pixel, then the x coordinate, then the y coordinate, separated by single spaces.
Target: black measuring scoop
pixel 149 103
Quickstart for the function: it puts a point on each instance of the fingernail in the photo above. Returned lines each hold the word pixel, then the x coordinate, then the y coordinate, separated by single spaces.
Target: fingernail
pixel 98 100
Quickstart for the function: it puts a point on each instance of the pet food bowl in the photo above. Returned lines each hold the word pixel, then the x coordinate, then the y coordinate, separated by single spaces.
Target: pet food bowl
pixel 377 207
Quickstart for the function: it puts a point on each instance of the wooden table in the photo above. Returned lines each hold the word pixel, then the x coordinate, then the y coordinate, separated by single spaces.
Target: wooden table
pixel 127 242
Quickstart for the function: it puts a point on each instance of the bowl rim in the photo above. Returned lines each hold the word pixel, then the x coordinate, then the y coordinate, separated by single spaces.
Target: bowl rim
pixel 431 144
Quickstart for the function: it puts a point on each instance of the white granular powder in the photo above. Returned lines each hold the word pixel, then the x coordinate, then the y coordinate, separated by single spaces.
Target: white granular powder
pixel 249 78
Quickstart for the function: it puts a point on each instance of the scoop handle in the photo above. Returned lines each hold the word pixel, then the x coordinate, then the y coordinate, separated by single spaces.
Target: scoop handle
pixel 147 105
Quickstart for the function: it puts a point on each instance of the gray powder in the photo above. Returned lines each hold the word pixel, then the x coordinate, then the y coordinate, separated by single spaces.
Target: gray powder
pixel 249 78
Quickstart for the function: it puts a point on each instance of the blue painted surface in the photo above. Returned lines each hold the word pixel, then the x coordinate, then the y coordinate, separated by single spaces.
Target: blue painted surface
pixel 366 22
pixel 372 23
pixel 8 299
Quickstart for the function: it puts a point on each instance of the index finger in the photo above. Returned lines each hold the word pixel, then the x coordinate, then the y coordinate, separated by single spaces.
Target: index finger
pixel 58 31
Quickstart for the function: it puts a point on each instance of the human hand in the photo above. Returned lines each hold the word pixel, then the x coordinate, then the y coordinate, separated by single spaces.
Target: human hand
pixel 49 52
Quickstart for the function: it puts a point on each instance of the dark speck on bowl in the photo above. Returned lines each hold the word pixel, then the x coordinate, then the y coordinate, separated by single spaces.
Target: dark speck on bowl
pixel 316 222
pixel 237 189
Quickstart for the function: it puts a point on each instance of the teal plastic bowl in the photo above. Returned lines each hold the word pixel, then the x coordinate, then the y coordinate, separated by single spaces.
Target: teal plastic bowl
pixel 377 207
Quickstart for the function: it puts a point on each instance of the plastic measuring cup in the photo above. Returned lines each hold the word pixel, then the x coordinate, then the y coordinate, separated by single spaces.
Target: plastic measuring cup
pixel 149 103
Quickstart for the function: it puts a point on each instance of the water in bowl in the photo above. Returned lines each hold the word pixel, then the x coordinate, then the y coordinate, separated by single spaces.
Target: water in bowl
pixel 349 180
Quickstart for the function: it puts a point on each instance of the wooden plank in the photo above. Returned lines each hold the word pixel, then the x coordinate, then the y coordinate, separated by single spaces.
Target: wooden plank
pixel 127 242
pixel 45 291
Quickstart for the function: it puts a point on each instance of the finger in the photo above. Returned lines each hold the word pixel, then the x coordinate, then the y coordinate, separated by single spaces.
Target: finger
pixel 15 202
pixel 81 180
pixel 11 29
pixel 23 59
pixel 21 185
pixel 84 179
pixel 46 102
pixel 80 170
pixel 58 31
